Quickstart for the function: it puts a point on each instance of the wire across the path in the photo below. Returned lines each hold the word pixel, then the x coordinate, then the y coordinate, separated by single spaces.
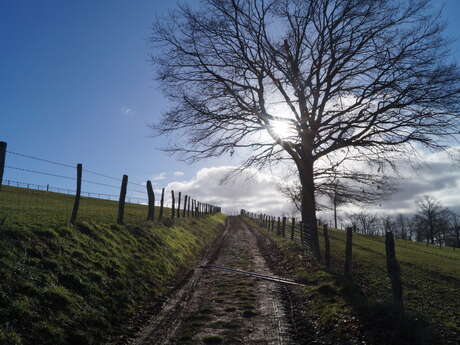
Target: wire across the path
pixel 253 274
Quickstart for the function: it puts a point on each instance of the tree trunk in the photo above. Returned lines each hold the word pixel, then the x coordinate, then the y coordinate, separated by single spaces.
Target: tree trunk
pixel 335 211
pixel 308 208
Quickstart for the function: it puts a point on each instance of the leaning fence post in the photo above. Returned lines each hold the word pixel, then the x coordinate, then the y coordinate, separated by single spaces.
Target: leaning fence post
pixel 284 227
pixel 2 161
pixel 173 202
pixel 76 203
pixel 162 203
pixel 394 271
pixel 348 252
pixel 151 196
pixel 292 228
pixel 121 201
pixel 327 247
pixel 178 205
pixel 185 205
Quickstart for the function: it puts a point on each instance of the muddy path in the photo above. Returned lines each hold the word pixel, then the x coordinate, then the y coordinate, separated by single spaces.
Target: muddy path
pixel 218 307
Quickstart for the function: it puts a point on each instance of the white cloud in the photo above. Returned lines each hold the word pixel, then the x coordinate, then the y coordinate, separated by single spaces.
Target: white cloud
pixel 178 173
pixel 127 110
pixel 251 190
pixel 257 191
pixel 159 177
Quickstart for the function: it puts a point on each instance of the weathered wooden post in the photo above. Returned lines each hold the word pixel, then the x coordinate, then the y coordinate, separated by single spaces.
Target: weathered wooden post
pixel 2 161
pixel 178 205
pixel 292 228
pixel 284 227
pixel 151 196
pixel 278 228
pixel 185 205
pixel 173 205
pixel 348 252
pixel 327 247
pixel 162 202
pixel 121 201
pixel 188 206
pixel 394 271
pixel 76 203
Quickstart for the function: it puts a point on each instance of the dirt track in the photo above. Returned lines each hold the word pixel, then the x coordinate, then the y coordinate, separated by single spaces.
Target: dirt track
pixel 216 307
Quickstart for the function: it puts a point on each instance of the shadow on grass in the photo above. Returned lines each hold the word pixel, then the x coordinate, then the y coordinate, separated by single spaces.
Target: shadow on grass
pixel 383 322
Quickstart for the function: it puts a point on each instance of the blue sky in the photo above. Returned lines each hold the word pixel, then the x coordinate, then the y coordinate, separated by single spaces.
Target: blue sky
pixel 76 85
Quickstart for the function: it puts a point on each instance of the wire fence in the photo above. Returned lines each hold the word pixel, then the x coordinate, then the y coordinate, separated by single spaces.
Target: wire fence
pixel 93 195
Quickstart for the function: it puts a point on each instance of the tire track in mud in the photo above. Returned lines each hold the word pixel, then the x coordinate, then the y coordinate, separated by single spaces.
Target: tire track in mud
pixel 218 307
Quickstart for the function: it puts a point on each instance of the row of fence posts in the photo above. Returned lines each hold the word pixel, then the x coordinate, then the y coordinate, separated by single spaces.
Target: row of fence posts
pixel 189 207
pixel 393 268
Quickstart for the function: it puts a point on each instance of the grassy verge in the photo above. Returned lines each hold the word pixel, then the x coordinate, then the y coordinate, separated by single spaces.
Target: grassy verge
pixel 361 310
pixel 20 206
pixel 77 285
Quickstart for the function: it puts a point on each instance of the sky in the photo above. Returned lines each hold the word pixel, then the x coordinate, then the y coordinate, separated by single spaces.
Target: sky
pixel 77 86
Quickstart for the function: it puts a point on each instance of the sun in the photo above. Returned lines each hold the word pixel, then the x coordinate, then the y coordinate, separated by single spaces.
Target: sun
pixel 283 129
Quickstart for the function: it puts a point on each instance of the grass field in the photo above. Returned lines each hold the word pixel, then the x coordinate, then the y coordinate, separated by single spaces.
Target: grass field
pixel 32 207
pixel 431 283
pixel 78 285
pixel 430 275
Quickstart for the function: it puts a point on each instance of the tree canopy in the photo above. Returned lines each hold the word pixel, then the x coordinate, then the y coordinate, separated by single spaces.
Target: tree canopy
pixel 318 82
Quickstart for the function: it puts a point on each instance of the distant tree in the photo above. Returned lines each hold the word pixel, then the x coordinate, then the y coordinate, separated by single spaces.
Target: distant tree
pixel 455 229
pixel 365 222
pixel 401 226
pixel 318 82
pixel 432 220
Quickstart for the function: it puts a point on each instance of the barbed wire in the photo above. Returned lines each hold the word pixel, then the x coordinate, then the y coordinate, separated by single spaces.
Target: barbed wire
pixel 68 166
pixel 69 178
pixel 39 172
pixel 41 159
pixel 50 188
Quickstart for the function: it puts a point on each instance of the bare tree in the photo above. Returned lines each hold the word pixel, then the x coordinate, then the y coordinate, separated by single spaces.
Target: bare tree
pixel 432 218
pixel 316 82
pixel 367 223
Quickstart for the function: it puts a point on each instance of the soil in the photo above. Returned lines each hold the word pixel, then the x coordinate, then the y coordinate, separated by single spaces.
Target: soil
pixel 218 307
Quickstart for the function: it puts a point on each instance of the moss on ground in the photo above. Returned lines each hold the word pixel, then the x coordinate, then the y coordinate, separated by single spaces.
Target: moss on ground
pixel 77 285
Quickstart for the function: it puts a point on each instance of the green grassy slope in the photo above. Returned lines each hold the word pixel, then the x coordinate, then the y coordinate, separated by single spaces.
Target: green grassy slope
pixel 32 207
pixel 430 275
pixel 431 283
pixel 76 285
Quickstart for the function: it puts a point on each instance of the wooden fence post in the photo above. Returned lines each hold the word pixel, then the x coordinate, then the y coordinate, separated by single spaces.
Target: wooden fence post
pixel 349 252
pixel 178 205
pixel 292 228
pixel 173 205
pixel 185 205
pixel 189 201
pixel 162 203
pixel 121 201
pixel 151 196
pixel 278 228
pixel 327 247
pixel 284 227
pixel 76 203
pixel 2 161
pixel 394 271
